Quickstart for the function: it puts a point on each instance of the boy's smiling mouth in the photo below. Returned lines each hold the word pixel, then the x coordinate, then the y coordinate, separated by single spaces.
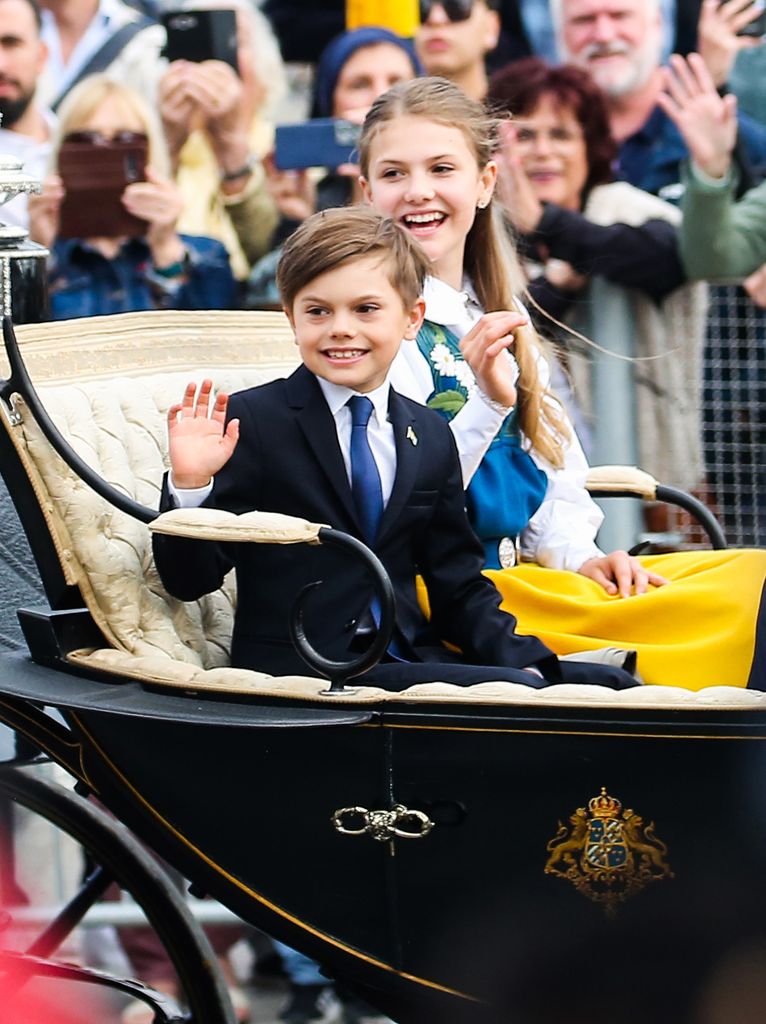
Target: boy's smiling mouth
pixel 344 354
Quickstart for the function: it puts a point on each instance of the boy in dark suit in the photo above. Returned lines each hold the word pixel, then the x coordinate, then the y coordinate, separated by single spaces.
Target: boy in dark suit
pixel 335 444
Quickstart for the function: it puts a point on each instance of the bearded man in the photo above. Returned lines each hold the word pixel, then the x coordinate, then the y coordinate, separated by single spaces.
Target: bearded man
pixel 620 43
pixel 26 128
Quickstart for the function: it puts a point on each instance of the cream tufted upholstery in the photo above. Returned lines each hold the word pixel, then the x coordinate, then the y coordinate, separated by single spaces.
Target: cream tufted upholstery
pixel 107 384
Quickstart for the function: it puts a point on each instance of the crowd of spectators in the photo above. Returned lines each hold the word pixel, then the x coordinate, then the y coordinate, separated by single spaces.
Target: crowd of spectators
pixel 618 161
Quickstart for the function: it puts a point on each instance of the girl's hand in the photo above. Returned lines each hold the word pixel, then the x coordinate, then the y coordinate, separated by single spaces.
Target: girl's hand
pixel 707 122
pixel 157 201
pixel 45 211
pixel 717 39
pixel 199 444
pixel 620 573
pixel 484 349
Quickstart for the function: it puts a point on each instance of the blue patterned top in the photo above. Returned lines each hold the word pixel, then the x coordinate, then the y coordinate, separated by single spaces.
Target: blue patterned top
pixel 507 488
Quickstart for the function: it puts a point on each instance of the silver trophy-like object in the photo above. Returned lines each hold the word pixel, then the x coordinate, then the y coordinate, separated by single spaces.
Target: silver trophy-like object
pixel 23 280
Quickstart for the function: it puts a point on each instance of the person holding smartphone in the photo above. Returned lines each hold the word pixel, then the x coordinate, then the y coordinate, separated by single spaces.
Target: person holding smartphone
pixel 132 257
pixel 216 124
pixel 353 70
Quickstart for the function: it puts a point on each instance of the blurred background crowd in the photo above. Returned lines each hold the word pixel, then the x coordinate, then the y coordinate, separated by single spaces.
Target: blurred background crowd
pixel 631 166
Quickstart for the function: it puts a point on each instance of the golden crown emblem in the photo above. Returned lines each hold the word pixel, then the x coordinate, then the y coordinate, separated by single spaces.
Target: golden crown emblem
pixel 604 806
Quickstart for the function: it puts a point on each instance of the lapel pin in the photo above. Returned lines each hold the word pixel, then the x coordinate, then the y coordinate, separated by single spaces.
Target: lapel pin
pixel 411 436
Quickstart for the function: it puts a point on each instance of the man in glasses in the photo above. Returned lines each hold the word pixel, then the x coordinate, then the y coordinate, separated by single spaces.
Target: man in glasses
pixel 454 39
pixel 26 127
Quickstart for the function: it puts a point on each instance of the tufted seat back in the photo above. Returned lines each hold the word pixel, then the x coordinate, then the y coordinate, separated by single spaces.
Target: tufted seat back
pixel 107 383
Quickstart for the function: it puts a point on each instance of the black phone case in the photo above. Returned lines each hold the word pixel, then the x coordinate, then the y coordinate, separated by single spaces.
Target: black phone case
pixel 201 35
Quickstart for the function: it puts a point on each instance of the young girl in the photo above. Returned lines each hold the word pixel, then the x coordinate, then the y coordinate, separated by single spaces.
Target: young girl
pixel 426 159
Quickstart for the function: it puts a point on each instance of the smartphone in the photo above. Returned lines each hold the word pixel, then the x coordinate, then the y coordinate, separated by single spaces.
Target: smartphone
pixel 95 177
pixel 323 142
pixel 201 35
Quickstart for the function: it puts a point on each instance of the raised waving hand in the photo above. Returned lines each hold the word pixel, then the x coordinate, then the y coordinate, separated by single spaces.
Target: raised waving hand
pixel 707 121
pixel 200 442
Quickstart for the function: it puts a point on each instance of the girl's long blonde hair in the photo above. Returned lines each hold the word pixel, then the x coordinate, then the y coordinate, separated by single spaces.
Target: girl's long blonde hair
pixel 490 260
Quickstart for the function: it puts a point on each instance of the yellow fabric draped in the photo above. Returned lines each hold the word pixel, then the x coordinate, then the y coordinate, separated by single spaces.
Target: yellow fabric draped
pixel 698 630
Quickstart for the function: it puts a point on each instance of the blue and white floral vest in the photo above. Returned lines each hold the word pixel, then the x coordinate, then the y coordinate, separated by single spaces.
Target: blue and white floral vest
pixel 507 488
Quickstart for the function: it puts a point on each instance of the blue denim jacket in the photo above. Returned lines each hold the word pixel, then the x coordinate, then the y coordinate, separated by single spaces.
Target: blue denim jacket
pixel 85 283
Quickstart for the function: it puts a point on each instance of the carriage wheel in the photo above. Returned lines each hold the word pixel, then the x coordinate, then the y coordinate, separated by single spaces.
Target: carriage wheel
pixel 123 860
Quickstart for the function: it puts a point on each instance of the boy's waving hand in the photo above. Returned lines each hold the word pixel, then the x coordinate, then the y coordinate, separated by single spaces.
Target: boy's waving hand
pixel 200 442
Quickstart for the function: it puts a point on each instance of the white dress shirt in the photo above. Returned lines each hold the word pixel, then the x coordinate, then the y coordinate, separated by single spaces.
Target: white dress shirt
pixel 561 534
pixel 380 434
pixel 138 64
pixel 109 16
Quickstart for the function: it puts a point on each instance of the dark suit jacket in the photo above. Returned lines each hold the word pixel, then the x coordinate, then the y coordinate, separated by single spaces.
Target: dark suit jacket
pixel 288 460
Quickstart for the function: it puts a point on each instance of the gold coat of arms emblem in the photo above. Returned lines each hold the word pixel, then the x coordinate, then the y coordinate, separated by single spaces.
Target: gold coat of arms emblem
pixel 607 853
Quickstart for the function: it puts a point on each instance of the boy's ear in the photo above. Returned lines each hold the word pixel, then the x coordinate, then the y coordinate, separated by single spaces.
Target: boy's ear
pixel 289 314
pixel 416 316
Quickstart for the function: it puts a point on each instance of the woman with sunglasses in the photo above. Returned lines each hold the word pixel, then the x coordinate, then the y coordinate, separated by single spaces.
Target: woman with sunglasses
pixel 121 267
pixel 455 37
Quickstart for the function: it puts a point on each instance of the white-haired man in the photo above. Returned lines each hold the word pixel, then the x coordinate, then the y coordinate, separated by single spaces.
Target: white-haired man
pixel 620 43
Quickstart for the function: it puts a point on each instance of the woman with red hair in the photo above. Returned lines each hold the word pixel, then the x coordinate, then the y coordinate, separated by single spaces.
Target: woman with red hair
pixel 575 222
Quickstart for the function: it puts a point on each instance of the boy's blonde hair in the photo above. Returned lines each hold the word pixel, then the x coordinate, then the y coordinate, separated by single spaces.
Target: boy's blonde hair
pixel 332 238
pixel 490 260
pixel 87 96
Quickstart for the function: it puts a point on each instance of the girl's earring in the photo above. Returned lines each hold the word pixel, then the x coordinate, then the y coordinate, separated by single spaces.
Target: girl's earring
pixel 482 204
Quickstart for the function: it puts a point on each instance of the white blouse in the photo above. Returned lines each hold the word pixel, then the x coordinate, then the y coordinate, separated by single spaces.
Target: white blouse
pixel 561 534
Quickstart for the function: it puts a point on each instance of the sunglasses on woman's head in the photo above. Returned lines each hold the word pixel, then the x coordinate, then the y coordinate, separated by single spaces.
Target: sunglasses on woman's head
pixel 456 10
pixel 95 138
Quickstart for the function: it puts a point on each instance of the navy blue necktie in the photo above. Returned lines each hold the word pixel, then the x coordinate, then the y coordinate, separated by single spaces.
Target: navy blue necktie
pixel 365 478
pixel 366 489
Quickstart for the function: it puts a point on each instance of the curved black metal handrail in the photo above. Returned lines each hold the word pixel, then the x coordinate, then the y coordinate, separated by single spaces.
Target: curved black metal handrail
pixel 339 671
pixel 674 496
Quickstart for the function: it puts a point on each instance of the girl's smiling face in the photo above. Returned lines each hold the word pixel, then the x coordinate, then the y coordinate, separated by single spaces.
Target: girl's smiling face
pixel 424 174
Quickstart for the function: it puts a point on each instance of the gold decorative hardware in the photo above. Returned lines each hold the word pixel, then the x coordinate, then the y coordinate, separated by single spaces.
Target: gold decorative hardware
pixel 397 823
pixel 608 854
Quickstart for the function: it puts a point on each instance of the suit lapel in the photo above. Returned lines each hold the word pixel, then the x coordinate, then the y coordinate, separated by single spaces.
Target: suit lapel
pixel 408 453
pixel 315 420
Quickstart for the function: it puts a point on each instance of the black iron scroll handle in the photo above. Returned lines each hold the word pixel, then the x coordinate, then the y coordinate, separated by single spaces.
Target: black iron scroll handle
pixel 20 382
pixel 339 671
pixel 684 500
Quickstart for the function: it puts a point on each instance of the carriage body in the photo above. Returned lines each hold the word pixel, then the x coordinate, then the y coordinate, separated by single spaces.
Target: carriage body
pixel 489 853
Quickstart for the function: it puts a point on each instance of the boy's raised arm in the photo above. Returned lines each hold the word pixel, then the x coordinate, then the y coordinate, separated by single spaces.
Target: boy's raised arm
pixel 200 442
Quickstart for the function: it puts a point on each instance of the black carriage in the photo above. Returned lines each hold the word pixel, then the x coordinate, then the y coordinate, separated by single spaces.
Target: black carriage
pixel 481 854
